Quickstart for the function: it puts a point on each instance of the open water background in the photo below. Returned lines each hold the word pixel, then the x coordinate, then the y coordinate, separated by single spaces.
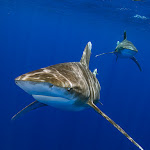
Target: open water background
pixel 39 33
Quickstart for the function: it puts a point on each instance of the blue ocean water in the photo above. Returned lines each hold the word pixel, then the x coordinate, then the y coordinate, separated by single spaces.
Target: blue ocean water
pixel 40 33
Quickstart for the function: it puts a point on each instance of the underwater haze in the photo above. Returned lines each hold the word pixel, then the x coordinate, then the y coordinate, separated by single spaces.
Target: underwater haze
pixel 39 33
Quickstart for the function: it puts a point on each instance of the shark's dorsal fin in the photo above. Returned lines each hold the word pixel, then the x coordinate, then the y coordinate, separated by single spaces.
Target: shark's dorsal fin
pixel 90 103
pixel 28 108
pixel 125 35
pixel 86 55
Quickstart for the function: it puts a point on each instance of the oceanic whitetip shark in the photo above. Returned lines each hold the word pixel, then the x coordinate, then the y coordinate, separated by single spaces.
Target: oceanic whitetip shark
pixel 70 86
pixel 124 49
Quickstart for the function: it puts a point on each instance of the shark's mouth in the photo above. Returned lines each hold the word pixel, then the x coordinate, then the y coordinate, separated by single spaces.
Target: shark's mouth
pixel 42 88
pixel 49 94
pixel 59 102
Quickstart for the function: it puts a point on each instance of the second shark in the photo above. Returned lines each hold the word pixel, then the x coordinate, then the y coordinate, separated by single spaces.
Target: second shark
pixel 125 49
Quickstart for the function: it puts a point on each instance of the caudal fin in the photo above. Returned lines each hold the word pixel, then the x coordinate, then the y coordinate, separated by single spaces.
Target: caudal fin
pixel 114 124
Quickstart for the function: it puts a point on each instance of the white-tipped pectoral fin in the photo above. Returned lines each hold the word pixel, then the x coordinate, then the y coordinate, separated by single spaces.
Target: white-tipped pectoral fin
pixel 114 124
pixel 134 59
pixel 104 54
pixel 32 106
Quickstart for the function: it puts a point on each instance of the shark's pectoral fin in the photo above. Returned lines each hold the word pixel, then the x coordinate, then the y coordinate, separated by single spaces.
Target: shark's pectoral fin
pixel 113 123
pixel 100 102
pixel 28 108
pixel 104 54
pixel 134 59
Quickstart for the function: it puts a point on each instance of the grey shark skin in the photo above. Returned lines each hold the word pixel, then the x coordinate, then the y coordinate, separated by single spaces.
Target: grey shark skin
pixel 125 49
pixel 70 86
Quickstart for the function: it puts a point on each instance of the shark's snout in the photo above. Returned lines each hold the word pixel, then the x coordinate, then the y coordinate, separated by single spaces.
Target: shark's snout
pixel 16 81
pixel 39 88
pixel 49 94
pixel 18 78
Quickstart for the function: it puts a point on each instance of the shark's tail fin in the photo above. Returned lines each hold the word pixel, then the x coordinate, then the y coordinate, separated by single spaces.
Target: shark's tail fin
pixel 104 54
pixel 114 124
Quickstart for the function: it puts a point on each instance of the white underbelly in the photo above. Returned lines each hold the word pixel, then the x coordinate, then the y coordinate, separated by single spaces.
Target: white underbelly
pixel 126 53
pixel 59 102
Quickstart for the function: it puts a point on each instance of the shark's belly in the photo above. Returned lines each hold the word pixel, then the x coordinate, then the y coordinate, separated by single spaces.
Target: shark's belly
pixel 59 102
pixel 126 53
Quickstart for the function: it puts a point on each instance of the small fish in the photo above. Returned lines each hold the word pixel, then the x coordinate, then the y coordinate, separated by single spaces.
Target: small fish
pixel 124 49
pixel 69 86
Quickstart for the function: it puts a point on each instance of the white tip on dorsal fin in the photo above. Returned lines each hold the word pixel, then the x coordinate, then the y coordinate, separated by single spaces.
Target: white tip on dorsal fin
pixel 86 55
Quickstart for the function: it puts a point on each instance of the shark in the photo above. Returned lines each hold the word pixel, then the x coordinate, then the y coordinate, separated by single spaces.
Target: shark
pixel 68 86
pixel 125 49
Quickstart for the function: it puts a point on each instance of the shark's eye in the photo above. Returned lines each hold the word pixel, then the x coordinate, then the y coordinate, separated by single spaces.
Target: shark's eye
pixel 50 85
pixel 69 89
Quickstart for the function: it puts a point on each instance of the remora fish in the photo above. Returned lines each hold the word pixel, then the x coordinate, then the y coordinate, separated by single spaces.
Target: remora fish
pixel 125 49
pixel 70 86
